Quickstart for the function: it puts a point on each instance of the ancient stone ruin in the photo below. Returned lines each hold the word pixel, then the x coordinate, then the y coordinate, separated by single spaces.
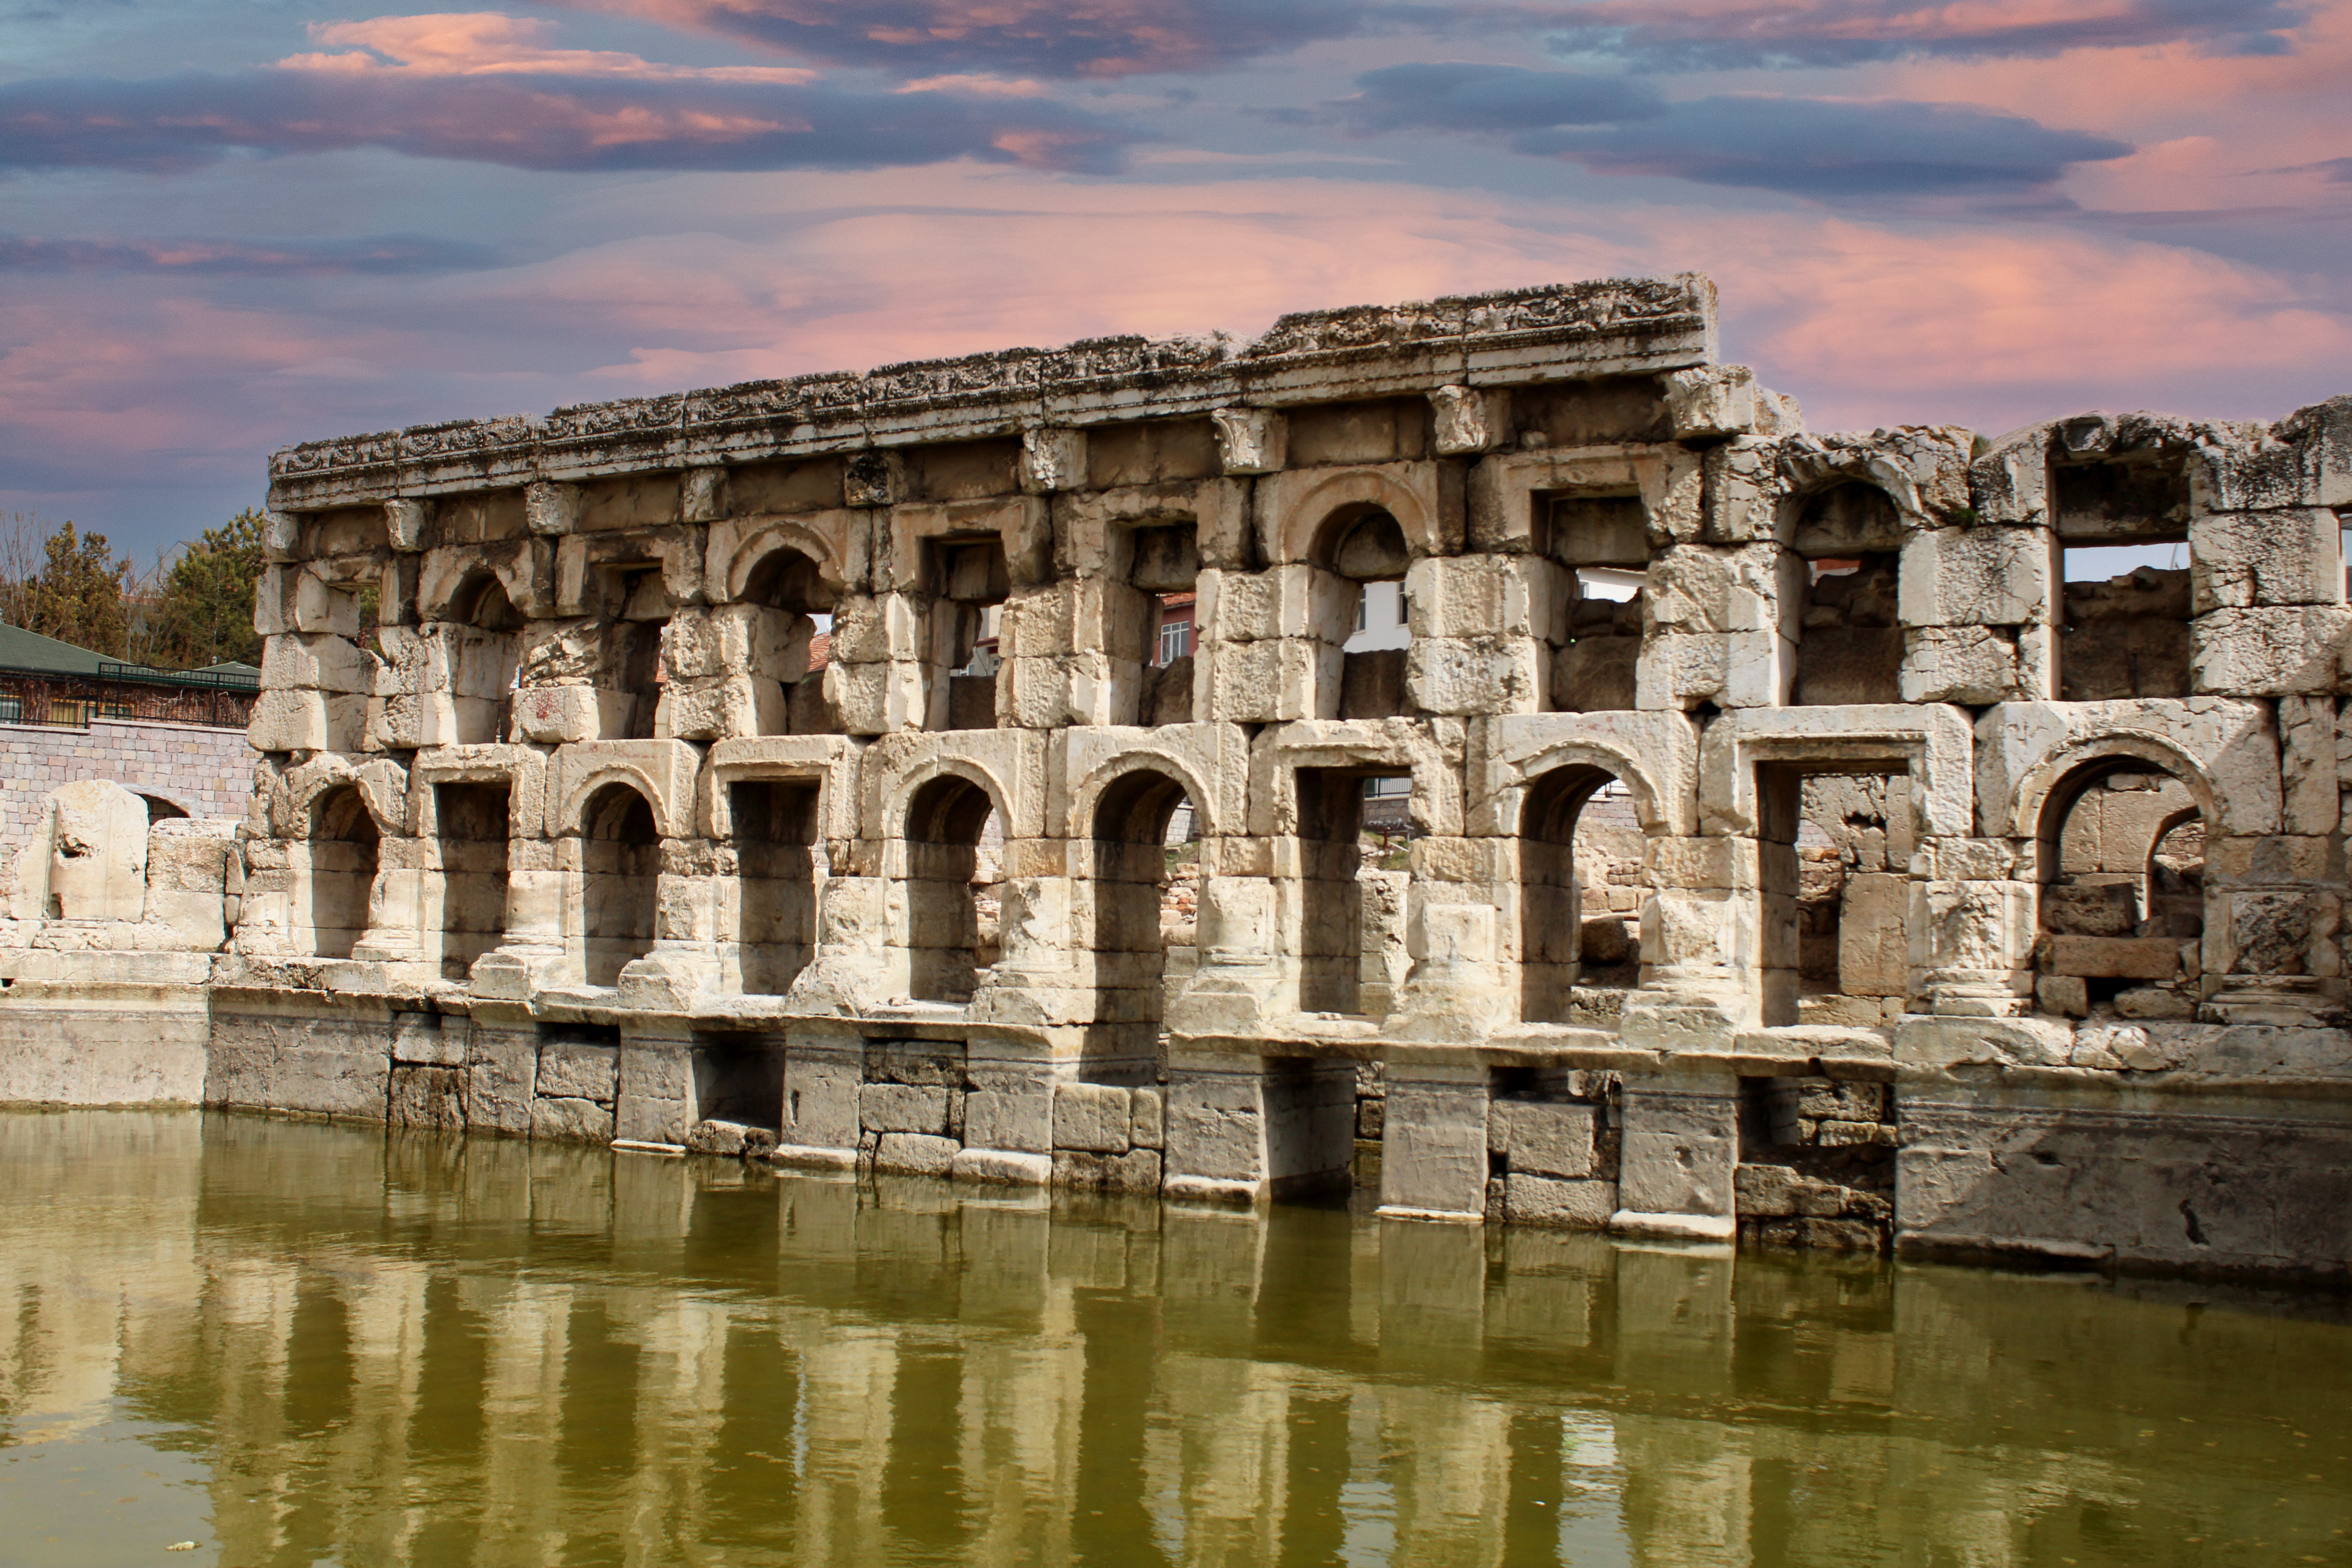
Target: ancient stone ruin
pixel 996 768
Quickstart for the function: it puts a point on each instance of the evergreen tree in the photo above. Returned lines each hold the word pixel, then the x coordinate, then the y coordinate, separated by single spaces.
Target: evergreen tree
pixel 205 612
pixel 78 596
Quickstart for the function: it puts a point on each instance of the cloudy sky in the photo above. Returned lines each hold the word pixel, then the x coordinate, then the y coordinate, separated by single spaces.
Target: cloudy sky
pixel 228 224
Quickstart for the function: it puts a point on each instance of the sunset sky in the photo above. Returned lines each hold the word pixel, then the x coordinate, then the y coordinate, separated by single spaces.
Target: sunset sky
pixel 229 225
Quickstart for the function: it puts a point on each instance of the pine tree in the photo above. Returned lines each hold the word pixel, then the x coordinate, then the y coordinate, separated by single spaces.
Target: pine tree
pixel 78 596
pixel 204 615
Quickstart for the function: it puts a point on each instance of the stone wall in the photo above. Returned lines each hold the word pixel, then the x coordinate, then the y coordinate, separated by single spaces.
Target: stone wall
pixel 1793 897
pixel 202 772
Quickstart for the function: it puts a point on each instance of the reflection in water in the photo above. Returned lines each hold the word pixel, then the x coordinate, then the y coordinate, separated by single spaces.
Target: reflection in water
pixel 294 1344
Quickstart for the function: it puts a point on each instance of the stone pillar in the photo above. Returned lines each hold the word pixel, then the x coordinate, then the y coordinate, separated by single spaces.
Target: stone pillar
pixel 655 1100
pixel 823 1069
pixel 1434 1140
pixel 1972 928
pixel 396 918
pixel 684 959
pixel 1239 982
pixel 1681 1147
pixel 1038 979
pixel 532 955
pixel 1701 944
pixel 2274 909
pixel 1008 1114
pixel 1458 988
pixel 1241 1126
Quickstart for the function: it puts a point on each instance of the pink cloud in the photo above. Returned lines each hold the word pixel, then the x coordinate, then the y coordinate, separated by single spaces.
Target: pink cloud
pixel 1871 323
pixel 1868 323
pixel 490 42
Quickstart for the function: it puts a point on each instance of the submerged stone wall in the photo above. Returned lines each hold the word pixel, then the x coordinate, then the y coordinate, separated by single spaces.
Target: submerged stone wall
pixel 1795 846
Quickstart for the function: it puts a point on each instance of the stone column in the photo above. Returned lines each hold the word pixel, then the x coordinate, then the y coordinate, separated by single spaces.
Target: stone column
pixel 1972 928
pixel 1433 1139
pixel 684 961
pixel 1701 942
pixel 823 1069
pixel 532 955
pixel 1681 1148
pixel 1242 1128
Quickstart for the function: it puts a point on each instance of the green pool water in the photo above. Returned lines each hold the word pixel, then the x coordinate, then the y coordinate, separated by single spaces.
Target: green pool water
pixel 293 1344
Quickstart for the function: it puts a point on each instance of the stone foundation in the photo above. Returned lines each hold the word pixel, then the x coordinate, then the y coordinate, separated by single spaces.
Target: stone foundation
pixel 1750 834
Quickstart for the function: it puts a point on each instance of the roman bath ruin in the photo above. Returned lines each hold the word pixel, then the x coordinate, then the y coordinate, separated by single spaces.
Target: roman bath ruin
pixel 1000 768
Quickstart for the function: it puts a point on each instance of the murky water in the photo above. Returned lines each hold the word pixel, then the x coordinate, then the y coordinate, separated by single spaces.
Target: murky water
pixel 291 1343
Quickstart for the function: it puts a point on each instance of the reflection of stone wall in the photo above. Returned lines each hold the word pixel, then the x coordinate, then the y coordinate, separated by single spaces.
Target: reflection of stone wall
pixel 324 1343
pixel 1784 819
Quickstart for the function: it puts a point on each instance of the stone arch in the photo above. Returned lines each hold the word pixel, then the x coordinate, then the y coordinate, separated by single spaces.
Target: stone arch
pixel 2077 764
pixel 938 819
pixel 760 548
pixel 451 579
pixel 1551 938
pixel 340 841
pixel 1652 807
pixel 1127 833
pixel 2102 935
pixel 387 802
pixel 1347 493
pixel 571 818
pixel 619 852
pixel 1087 799
pixel 161 809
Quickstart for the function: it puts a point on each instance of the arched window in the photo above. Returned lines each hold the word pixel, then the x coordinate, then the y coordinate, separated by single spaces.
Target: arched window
pixel 342 866
pixel 794 650
pixel 1144 828
pixel 1579 893
pixel 620 870
pixel 946 881
pixel 2123 894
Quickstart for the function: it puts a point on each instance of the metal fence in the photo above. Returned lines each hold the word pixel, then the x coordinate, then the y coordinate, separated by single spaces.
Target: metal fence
pixel 127 691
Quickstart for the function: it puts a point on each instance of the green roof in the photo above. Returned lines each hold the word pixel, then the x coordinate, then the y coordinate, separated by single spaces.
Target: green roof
pixel 231 668
pixel 21 650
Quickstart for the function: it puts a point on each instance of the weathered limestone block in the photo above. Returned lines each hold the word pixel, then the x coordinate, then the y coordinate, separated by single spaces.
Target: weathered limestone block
pixel 1094 1118
pixel 876 699
pixel 1752 588
pixel 2269 652
pixel 1977 665
pixel 1476 675
pixel 1486 596
pixel 1468 419
pixel 1873 954
pixel 1680 1150
pixel 86 858
pixel 315 662
pixel 2241 560
pixel 1544 1138
pixel 307 722
pixel 2322 433
pixel 1743 492
pixel 1434 1141
pixel 1250 440
pixel 1731 670
pixel 1979 577
pixel 1272 682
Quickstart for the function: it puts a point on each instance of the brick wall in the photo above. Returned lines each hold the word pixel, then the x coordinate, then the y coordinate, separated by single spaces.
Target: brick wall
pixel 203 772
